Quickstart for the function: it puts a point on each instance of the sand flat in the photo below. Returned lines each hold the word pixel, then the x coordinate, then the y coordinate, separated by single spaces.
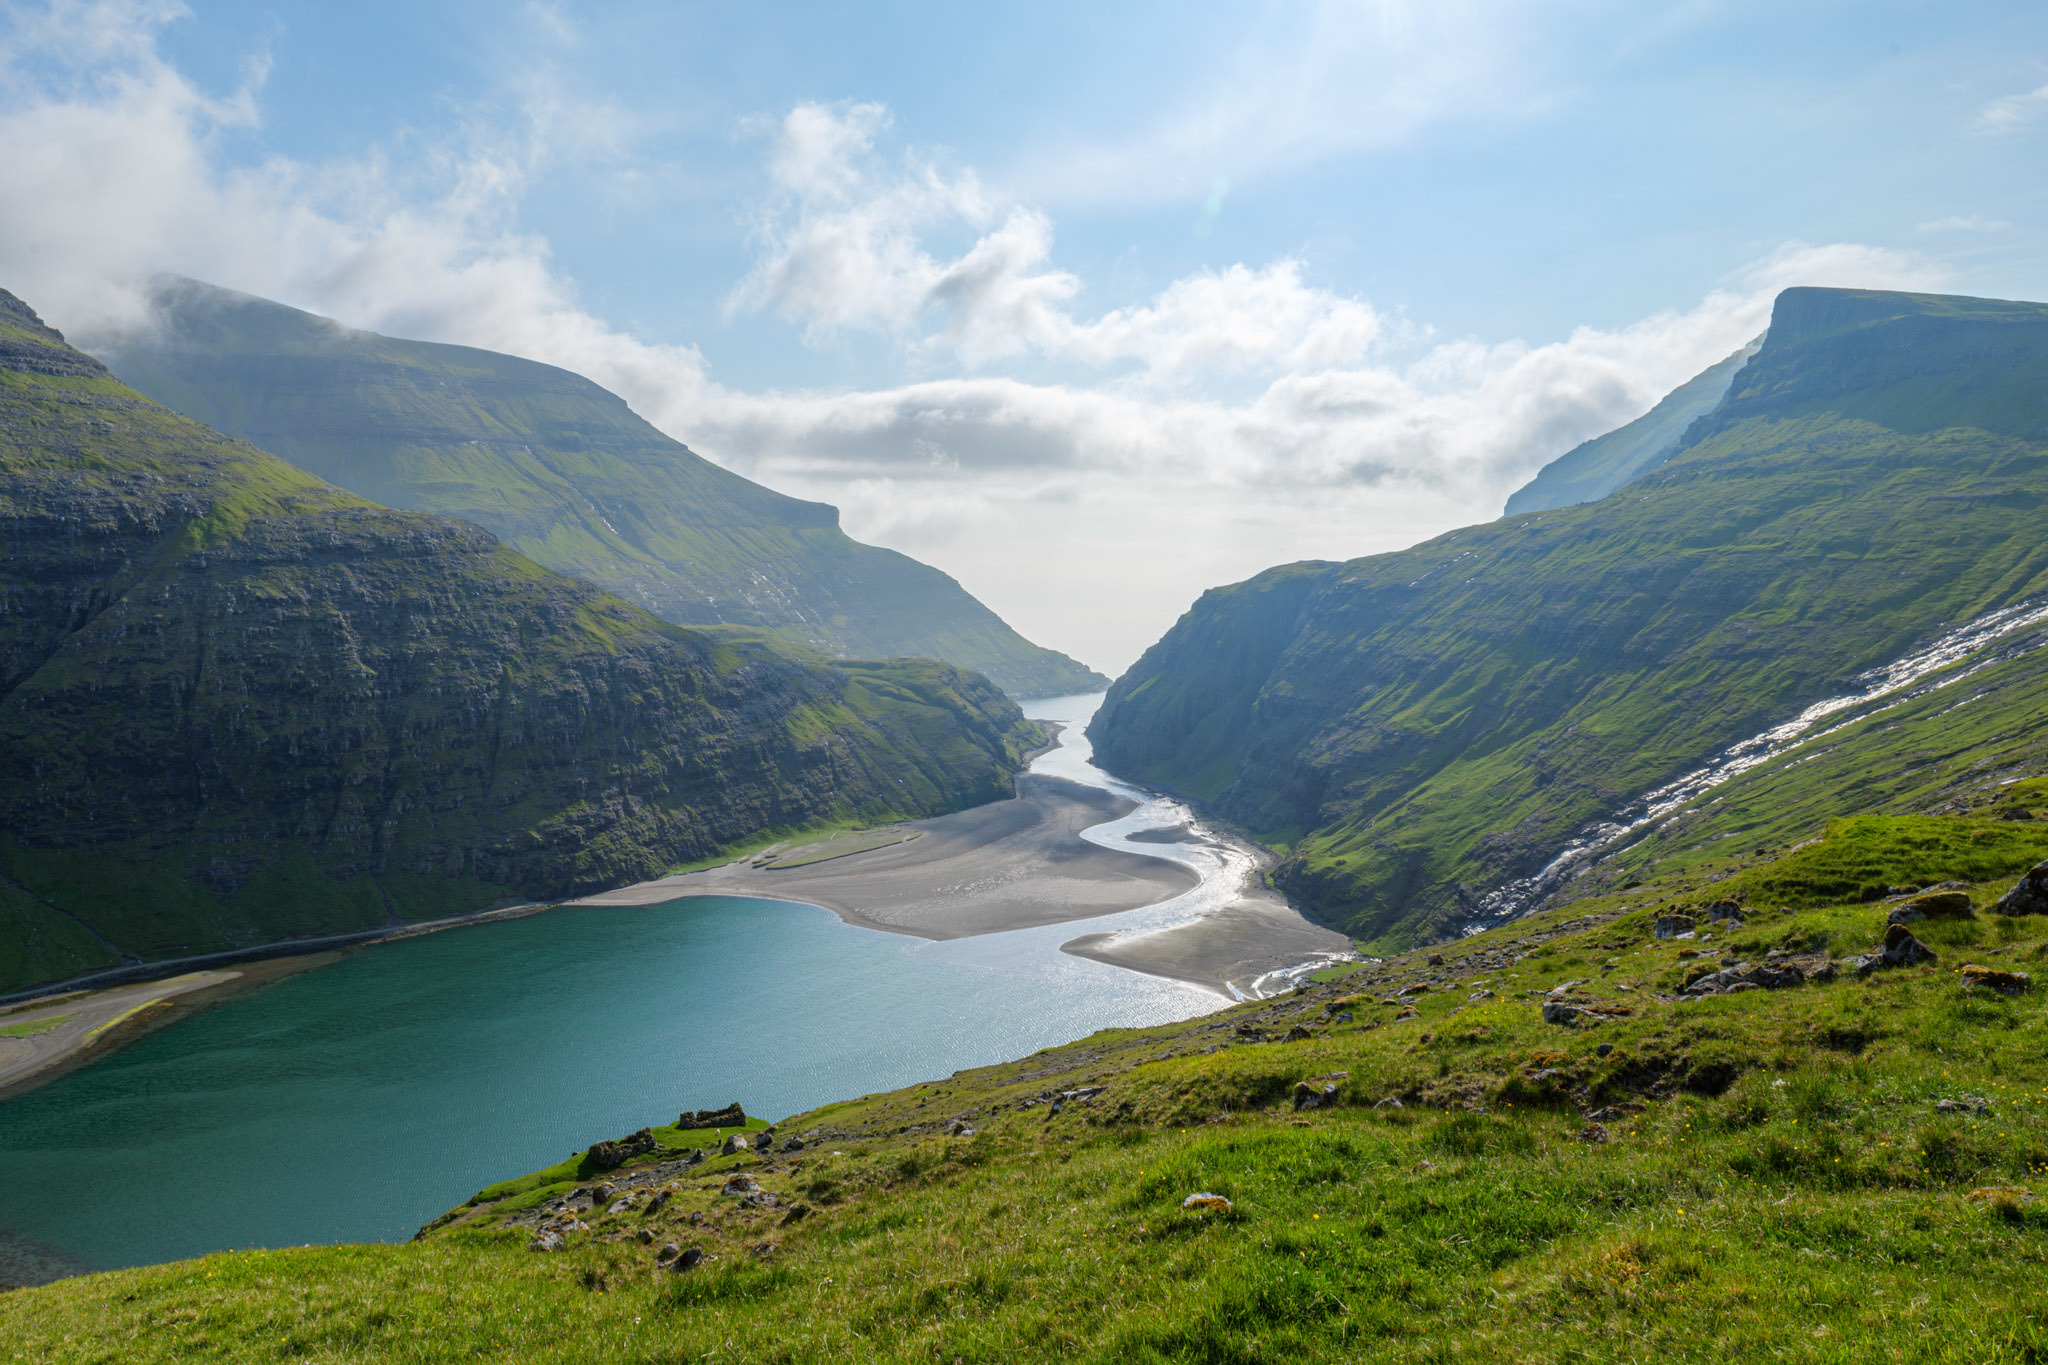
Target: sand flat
pixel 1007 865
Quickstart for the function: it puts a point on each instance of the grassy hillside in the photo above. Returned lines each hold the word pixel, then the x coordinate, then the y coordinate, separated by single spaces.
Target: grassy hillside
pixel 239 705
pixel 1595 468
pixel 1842 1168
pixel 1418 728
pixel 566 474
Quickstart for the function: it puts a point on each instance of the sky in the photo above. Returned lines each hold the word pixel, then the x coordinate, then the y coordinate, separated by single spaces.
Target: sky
pixel 1093 307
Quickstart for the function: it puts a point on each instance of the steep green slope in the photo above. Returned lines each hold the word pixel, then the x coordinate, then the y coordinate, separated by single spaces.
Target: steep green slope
pixel 1422 727
pixel 1595 468
pixel 1557 1141
pixel 565 473
pixel 239 705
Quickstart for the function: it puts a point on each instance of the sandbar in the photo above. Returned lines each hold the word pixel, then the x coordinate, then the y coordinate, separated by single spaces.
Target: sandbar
pixel 1008 865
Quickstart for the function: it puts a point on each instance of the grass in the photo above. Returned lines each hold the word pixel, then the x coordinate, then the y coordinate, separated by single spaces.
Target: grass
pixel 1780 1181
pixel 35 1028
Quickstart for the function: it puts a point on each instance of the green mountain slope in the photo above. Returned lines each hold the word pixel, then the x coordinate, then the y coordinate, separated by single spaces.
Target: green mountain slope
pixel 565 473
pixel 239 705
pixel 1420 728
pixel 1595 468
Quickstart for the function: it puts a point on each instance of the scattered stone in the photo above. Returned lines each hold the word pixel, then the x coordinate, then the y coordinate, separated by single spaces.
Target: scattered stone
pixel 1595 1132
pixel 606 1156
pixel 1571 1016
pixel 687 1260
pixel 1991 978
pixel 1742 976
pixel 1478 995
pixel 602 1193
pixel 739 1182
pixel 547 1241
pixel 658 1203
pixel 735 1142
pixel 732 1116
pixel 646 1236
pixel 794 1144
pixel 1900 949
pixel 1299 1033
pixel 1204 1202
pixel 2029 895
pixel 1725 910
pixel 620 1205
pixel 1341 1017
pixel 1318 1092
pixel 697 1219
pixel 1415 988
pixel 1436 959
pixel 669 1251
pixel 1408 1012
pixel 1673 926
pixel 960 1129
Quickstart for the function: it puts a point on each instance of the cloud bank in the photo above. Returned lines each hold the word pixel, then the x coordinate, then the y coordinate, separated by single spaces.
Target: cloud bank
pixel 1237 417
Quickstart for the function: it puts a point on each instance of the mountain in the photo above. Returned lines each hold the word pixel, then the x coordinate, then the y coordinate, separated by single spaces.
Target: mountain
pixel 1417 730
pixel 1595 468
pixel 239 705
pixel 565 473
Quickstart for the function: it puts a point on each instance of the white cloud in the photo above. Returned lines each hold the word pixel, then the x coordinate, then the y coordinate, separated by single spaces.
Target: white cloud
pixel 1971 222
pixel 1238 417
pixel 2011 111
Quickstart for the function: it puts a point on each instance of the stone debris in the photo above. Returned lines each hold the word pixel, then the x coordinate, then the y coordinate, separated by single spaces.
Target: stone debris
pixel 1993 979
pixel 2029 896
pixel 1204 1202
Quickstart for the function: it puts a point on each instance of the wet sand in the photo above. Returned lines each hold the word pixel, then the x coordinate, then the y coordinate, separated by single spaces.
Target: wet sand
pixel 1228 950
pixel 1007 865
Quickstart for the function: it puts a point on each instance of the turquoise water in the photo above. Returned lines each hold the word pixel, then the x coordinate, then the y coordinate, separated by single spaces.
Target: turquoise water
pixel 361 1100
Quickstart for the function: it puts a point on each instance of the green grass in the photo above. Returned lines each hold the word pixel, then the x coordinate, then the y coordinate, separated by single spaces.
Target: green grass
pixel 1780 1183
pixel 35 1028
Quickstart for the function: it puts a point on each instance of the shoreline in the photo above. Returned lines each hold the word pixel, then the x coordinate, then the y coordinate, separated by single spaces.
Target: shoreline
pixel 1006 865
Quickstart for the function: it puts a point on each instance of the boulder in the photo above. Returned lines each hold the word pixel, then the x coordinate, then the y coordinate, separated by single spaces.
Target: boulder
pixel 1992 979
pixel 2029 896
pixel 1939 905
pixel 735 1142
pixel 1725 910
pixel 1768 976
pixel 1318 1092
pixel 1673 926
pixel 1299 1033
pixel 687 1260
pixel 1436 959
pixel 605 1156
pixel 1900 949
pixel 739 1183
pixel 1414 988
pixel 795 1144
pixel 732 1116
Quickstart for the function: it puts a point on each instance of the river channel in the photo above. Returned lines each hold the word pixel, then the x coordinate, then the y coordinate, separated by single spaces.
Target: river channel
pixel 360 1100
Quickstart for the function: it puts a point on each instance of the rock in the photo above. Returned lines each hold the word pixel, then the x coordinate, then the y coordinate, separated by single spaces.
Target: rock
pixel 1558 1012
pixel 1318 1092
pixel 796 1214
pixel 658 1203
pixel 1991 978
pixel 602 1193
pixel 1900 949
pixel 1479 995
pixel 1299 1033
pixel 735 1142
pixel 697 1219
pixel 960 1129
pixel 1769 976
pixel 547 1241
pixel 1940 905
pixel 1603 1050
pixel 645 1236
pixel 1390 1102
pixel 1341 1017
pixel 732 1116
pixel 1673 926
pixel 620 1205
pixel 695 1158
pixel 1964 1104
pixel 794 1144
pixel 669 1251
pixel 687 1260
pixel 1559 992
pixel 1414 988
pixel 739 1183
pixel 1725 910
pixel 2029 896
pixel 1436 959
pixel 1408 1012
pixel 605 1156
pixel 1595 1132
pixel 1204 1202
pixel 764 1249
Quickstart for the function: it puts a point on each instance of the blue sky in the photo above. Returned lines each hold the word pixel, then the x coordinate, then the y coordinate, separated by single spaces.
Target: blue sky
pixel 1092 306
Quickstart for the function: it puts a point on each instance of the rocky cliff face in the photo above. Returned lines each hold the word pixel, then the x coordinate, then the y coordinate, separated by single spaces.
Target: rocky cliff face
pixel 566 474
pixel 1419 727
pixel 238 704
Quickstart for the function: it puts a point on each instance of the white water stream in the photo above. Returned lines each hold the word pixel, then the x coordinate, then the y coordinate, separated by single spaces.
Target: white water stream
pixel 1891 685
